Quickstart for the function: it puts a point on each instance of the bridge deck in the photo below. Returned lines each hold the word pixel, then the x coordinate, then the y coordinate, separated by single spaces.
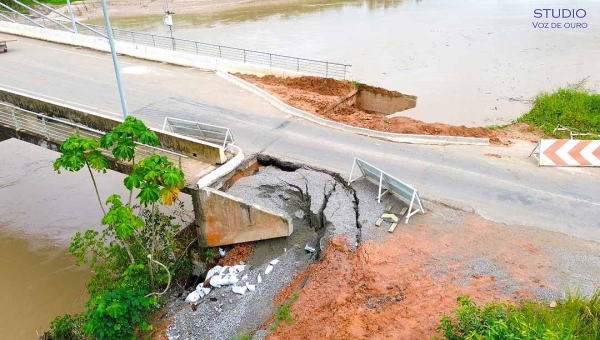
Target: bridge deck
pixel 39 128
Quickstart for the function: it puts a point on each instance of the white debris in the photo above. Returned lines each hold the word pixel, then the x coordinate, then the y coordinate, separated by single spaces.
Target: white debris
pixel 230 279
pixel 192 297
pixel 258 279
pixel 202 291
pixel 309 249
pixel 250 287
pixel 239 290
pixel 214 271
pixel 245 277
pixel 216 281
pixel 269 269
pixel 274 262
pixel 222 252
pixel 237 269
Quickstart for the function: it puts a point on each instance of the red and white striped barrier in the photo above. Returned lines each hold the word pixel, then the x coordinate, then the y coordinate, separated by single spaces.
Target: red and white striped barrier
pixel 568 152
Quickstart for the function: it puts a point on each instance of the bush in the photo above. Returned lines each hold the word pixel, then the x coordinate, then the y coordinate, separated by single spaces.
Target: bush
pixel 573 107
pixel 572 318
pixel 114 315
pixel 68 327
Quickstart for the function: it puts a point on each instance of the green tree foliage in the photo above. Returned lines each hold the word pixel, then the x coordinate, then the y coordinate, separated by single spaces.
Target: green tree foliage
pixel 123 254
pixel 115 314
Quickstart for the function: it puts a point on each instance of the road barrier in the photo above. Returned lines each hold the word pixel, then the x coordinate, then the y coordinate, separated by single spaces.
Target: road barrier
pixel 567 152
pixel 391 184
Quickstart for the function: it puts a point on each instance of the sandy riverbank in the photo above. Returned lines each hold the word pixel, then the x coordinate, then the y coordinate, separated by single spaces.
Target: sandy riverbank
pixel 86 10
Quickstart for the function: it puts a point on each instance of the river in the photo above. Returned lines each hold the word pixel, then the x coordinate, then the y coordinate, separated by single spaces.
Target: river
pixel 473 62
pixel 40 211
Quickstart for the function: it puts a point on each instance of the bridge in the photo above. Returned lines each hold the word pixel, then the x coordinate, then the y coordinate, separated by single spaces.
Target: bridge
pixel 508 189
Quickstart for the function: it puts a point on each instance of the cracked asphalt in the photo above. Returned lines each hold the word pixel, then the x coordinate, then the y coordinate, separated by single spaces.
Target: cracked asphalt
pixel 510 189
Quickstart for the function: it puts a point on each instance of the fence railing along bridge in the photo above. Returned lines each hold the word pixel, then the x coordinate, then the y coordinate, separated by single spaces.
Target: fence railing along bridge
pixel 272 60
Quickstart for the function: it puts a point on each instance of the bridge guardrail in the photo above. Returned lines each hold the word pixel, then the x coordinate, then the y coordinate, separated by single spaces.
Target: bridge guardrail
pixel 272 60
pixel 59 130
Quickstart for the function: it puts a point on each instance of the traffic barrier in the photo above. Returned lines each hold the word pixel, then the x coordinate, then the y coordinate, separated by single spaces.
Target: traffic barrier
pixel 391 184
pixel 567 152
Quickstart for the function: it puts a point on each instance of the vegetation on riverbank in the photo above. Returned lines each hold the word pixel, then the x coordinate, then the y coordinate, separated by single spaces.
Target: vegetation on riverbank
pixel 573 107
pixel 30 3
pixel 572 318
pixel 139 255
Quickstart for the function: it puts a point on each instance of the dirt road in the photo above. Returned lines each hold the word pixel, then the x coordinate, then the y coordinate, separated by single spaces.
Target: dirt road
pixel 398 287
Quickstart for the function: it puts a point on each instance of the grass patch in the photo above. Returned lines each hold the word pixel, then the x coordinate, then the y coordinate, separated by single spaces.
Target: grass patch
pixel 572 318
pixel 242 337
pixel 496 127
pixel 283 312
pixel 32 4
pixel 574 107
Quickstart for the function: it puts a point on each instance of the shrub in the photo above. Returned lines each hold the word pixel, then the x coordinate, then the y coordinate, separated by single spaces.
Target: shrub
pixel 114 315
pixel 68 327
pixel 573 107
pixel 572 318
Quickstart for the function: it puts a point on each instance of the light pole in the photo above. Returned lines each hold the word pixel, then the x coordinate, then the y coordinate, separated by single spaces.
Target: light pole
pixel 111 42
pixel 72 17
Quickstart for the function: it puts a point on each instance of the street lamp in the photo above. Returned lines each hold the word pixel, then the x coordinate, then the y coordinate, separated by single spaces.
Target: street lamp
pixel 111 42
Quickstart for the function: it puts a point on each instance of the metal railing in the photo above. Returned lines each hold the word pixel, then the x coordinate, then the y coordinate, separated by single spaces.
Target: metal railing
pixel 58 130
pixel 301 65
pixel 207 132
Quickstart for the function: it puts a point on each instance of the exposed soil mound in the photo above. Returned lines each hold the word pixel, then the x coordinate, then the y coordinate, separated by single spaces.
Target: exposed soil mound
pixel 240 252
pixel 314 94
pixel 399 288
pixel 324 86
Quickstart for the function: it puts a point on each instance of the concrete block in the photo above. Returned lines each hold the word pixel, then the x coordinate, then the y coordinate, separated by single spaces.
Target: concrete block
pixel 224 219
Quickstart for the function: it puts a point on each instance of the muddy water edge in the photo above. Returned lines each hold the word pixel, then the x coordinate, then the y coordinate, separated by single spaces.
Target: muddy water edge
pixel 461 58
pixel 40 211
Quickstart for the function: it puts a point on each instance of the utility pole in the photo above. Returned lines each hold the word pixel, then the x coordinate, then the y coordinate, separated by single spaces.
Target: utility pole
pixel 168 20
pixel 72 17
pixel 111 42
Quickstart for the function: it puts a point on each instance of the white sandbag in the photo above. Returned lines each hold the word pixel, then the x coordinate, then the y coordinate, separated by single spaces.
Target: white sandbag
pixel 269 269
pixel 239 290
pixel 274 262
pixel 202 291
pixel 192 297
pixel 230 279
pixel 222 252
pixel 258 279
pixel 216 270
pixel 245 277
pixel 250 287
pixel 237 268
pixel 216 281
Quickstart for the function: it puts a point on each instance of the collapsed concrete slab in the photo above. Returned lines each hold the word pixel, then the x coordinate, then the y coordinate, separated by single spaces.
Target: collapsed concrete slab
pixel 225 219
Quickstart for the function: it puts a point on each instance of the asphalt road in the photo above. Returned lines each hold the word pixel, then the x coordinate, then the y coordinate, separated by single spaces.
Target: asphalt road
pixel 511 189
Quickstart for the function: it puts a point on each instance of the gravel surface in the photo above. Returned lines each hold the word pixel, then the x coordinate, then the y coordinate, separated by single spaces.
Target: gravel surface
pixel 223 314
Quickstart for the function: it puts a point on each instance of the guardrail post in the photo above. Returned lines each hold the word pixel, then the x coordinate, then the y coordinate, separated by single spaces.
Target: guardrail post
pixel 298 65
pixel 132 37
pixel 45 128
pixel 173 43
pixel 153 43
pixel 180 162
pixel 196 47
pixel 220 55
pixel 15 121
pixel 326 69
pixel 270 61
pixel 244 55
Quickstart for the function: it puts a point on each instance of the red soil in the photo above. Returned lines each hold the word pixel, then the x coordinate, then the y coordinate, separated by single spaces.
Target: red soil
pixel 399 289
pixel 314 94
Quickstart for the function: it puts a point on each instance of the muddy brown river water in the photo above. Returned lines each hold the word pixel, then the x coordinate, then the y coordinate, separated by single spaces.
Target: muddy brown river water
pixel 39 212
pixel 473 62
